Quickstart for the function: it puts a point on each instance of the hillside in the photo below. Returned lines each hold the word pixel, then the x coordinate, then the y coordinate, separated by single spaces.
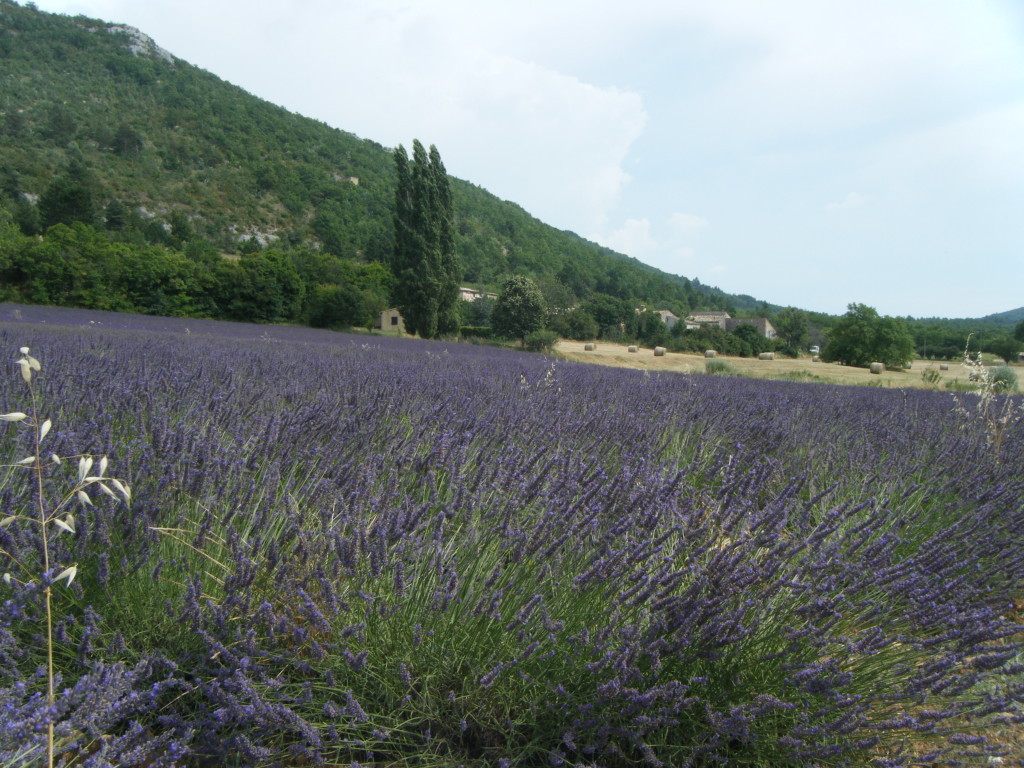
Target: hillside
pixel 178 157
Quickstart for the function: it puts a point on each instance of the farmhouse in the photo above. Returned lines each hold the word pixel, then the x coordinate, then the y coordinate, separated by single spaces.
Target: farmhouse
pixel 390 320
pixel 707 318
pixel 763 325
pixel 728 323
pixel 668 317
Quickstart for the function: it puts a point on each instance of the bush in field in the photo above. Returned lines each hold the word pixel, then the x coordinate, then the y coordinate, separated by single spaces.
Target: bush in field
pixel 540 341
pixel 1004 379
pixel 721 367
pixel 399 551
pixel 931 376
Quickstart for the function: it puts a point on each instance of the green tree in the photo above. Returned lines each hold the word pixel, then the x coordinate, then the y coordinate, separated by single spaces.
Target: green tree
pixel 610 314
pixel 577 324
pixel 69 198
pixel 443 225
pixel 478 312
pixel 127 142
pixel 60 126
pixel 651 329
pixel 337 306
pixel 791 325
pixel 861 337
pixel 754 343
pixel 1006 347
pixel 424 261
pixel 262 287
pixel 1018 331
pixel 520 308
pixel 115 215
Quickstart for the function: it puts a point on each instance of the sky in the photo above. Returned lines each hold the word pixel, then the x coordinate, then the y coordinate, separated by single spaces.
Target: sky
pixel 810 153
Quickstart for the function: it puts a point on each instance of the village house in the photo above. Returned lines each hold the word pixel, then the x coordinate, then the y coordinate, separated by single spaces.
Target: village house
pixel 668 317
pixel 391 319
pixel 728 323
pixel 697 319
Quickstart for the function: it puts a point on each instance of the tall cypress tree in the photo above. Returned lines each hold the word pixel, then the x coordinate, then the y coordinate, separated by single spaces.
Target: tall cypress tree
pixel 424 263
pixel 449 269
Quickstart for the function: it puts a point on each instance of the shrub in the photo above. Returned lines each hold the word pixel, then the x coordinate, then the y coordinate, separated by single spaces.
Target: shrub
pixel 1004 379
pixel 931 376
pixel 540 341
pixel 718 367
pixel 476 332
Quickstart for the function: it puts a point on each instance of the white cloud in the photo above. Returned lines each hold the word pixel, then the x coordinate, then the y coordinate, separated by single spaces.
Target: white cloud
pixel 687 223
pixel 984 147
pixel 852 200
pixel 633 238
pixel 668 247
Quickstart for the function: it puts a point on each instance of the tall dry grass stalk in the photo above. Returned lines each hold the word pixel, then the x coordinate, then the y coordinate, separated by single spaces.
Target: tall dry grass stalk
pixel 995 413
pixel 55 519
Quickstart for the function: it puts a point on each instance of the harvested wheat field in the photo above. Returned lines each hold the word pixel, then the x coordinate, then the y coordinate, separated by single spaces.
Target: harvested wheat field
pixel 803 369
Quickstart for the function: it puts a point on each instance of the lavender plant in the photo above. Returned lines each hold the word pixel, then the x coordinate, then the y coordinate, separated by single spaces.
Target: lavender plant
pixel 341 551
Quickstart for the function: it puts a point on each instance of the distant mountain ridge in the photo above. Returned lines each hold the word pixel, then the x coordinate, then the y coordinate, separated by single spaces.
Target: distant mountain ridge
pixel 1010 317
pixel 190 156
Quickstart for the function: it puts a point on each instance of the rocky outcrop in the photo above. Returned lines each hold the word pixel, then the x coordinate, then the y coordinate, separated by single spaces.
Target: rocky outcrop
pixel 140 43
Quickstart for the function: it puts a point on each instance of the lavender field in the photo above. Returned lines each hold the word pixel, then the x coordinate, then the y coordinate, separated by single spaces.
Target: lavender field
pixel 350 549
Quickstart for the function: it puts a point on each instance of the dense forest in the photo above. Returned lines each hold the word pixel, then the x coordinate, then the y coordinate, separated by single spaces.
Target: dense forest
pixel 132 180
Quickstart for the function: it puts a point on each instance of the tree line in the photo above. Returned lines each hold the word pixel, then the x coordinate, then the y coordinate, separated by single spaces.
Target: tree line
pixel 79 265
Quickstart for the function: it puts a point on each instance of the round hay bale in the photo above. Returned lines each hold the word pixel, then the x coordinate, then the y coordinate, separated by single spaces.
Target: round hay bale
pixel 766 356
pixel 816 359
pixel 710 353
pixel 943 367
pixel 631 348
pixel 659 351
pixel 877 367
pixel 589 347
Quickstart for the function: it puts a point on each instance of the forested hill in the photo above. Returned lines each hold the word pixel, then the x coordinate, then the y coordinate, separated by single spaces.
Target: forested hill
pixel 101 126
